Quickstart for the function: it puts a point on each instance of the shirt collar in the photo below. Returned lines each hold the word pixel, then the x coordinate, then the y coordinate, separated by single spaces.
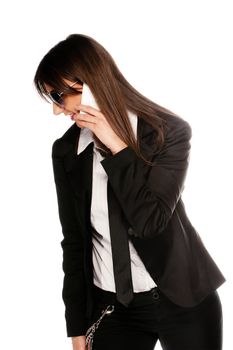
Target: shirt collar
pixel 86 135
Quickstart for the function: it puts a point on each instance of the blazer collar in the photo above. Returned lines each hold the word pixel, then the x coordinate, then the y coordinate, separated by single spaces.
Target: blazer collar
pixel 145 134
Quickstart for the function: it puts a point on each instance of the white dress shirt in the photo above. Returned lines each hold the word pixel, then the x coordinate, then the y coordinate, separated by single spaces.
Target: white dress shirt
pixel 101 243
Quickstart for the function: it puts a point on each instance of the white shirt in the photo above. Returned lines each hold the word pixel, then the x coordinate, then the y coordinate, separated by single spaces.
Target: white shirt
pixel 101 243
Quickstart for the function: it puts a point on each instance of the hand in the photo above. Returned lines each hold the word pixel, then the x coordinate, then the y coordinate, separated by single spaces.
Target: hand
pixel 98 124
pixel 79 343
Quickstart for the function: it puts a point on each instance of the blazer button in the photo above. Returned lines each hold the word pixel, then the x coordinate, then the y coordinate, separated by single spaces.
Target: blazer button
pixel 155 295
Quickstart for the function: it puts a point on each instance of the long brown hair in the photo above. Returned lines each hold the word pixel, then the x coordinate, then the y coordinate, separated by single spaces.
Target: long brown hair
pixel 80 57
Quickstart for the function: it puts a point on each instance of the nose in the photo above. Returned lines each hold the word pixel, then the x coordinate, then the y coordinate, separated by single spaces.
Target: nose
pixel 57 109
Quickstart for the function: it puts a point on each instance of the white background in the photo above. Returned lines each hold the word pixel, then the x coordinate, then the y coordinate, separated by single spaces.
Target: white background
pixel 179 54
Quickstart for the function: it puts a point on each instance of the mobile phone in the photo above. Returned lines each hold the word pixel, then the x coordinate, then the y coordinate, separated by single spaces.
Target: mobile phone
pixel 87 98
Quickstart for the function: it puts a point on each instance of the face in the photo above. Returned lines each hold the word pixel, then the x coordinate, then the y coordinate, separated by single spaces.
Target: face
pixel 70 101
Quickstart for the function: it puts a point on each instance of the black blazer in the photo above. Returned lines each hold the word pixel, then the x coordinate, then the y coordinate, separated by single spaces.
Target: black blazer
pixel 151 212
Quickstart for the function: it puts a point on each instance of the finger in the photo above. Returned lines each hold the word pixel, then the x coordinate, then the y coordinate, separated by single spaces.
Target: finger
pixel 83 124
pixel 90 110
pixel 86 118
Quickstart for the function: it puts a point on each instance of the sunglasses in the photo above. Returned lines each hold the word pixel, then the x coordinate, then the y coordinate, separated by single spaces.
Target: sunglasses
pixel 56 97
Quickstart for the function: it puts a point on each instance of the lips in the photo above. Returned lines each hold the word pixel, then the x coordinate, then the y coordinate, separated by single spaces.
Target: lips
pixel 72 116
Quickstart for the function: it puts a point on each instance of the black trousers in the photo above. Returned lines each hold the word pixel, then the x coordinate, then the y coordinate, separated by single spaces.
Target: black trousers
pixel 152 317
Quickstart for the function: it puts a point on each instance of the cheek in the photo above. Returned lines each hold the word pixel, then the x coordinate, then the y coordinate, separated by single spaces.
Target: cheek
pixel 72 101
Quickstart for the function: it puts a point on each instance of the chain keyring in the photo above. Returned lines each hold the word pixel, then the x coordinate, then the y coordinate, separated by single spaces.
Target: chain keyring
pixel 91 330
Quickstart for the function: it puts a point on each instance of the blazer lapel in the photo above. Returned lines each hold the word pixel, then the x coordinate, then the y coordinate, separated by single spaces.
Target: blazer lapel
pixel 78 167
pixel 79 170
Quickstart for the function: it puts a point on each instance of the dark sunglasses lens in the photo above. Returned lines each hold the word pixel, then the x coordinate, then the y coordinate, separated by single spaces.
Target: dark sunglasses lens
pixel 56 98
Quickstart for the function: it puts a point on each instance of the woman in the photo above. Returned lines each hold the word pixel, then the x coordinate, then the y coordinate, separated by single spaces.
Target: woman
pixel 135 269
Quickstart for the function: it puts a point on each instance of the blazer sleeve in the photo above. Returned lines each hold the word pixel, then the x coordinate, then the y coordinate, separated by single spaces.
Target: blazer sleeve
pixel 148 197
pixel 73 292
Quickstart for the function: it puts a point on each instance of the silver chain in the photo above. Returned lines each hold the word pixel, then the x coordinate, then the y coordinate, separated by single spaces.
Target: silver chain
pixel 91 330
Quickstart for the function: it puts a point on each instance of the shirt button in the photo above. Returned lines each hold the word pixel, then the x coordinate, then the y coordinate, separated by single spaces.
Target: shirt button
pixel 131 232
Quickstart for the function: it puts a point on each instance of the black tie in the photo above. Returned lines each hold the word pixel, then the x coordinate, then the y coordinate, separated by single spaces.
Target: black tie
pixel 120 249
pixel 119 242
